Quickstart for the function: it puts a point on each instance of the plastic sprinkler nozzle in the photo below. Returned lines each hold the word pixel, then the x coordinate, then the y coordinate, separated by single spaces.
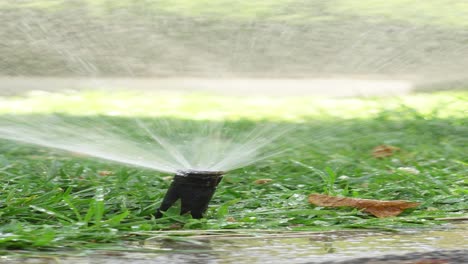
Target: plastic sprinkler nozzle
pixel 195 190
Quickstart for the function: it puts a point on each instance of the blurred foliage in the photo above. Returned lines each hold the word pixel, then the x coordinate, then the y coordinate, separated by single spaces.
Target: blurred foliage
pixel 445 13
pixel 287 38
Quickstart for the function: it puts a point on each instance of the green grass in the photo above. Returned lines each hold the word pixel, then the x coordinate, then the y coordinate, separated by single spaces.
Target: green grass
pixel 50 199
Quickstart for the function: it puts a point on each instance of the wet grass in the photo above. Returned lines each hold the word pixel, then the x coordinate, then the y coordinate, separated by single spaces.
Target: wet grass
pixel 51 199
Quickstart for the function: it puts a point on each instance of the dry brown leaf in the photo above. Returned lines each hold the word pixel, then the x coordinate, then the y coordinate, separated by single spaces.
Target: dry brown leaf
pixel 231 219
pixel 105 173
pixel 376 207
pixel 263 181
pixel 383 151
pixel 175 226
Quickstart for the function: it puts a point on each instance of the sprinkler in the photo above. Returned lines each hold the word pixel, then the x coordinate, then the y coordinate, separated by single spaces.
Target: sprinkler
pixel 194 189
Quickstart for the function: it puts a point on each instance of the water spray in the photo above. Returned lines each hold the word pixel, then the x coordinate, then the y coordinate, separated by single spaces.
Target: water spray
pixel 194 189
pixel 198 153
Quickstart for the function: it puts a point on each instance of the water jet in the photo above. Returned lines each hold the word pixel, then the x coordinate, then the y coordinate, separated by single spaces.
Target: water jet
pixel 194 189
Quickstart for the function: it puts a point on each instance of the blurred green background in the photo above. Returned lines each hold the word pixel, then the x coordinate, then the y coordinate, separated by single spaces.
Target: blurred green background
pixel 289 38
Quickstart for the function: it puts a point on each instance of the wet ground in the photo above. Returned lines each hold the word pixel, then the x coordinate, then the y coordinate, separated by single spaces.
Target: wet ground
pixel 447 244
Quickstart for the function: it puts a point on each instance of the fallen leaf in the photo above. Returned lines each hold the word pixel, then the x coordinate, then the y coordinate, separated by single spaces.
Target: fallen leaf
pixel 105 173
pixel 175 226
pixel 377 208
pixel 263 181
pixel 231 219
pixel 383 151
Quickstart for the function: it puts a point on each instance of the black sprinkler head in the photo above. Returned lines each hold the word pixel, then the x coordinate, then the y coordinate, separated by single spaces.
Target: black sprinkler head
pixel 194 189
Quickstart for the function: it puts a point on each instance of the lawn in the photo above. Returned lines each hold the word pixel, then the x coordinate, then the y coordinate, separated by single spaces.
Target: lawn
pixel 55 199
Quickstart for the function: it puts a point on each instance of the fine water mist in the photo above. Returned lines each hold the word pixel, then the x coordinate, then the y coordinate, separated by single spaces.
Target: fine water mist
pixel 99 41
pixel 160 144
pixel 420 41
